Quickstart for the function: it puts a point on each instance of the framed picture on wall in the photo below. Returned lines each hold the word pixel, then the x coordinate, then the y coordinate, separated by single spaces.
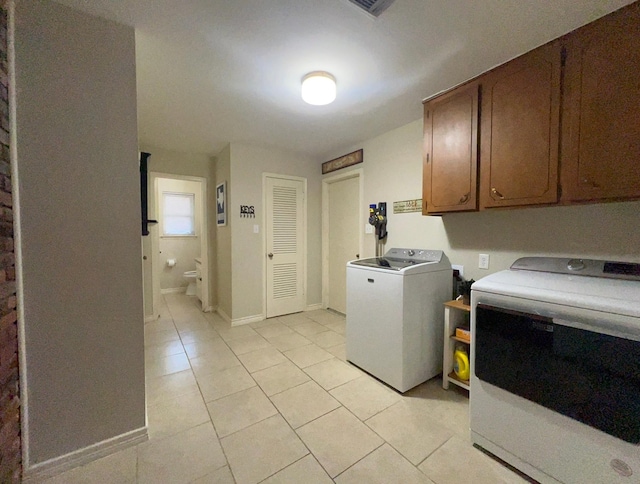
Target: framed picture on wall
pixel 221 204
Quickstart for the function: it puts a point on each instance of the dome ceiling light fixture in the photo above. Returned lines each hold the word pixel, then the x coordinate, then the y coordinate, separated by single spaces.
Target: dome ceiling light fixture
pixel 318 88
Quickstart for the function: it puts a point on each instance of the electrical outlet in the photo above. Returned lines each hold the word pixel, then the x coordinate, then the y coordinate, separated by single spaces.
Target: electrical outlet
pixel 368 229
pixel 256 229
pixel 458 268
pixel 483 261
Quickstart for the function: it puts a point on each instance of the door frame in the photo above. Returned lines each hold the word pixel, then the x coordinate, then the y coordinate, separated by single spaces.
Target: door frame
pixel 357 173
pixel 264 236
pixel 204 238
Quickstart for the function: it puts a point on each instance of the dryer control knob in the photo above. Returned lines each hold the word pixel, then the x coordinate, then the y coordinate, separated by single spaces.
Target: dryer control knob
pixel 411 252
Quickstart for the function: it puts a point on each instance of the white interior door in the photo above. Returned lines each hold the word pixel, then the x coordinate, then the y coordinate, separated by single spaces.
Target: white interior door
pixel 343 238
pixel 284 232
pixel 150 303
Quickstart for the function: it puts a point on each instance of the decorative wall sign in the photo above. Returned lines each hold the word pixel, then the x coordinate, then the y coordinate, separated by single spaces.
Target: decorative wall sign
pixel 342 162
pixel 247 211
pixel 407 206
pixel 221 204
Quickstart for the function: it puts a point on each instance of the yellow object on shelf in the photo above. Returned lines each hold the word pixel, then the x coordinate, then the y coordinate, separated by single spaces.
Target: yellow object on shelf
pixel 461 363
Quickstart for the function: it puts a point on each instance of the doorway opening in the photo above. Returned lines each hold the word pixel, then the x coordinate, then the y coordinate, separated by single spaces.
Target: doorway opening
pixel 179 243
pixel 342 237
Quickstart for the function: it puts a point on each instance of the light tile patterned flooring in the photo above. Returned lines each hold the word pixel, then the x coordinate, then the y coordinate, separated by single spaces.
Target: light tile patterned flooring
pixel 276 402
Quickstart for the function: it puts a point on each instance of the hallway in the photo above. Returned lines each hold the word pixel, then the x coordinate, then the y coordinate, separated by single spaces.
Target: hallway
pixel 276 402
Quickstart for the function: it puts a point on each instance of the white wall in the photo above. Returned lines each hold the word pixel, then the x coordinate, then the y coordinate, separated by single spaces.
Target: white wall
pixel 393 171
pixel 248 163
pixel 183 164
pixel 184 249
pixel 79 224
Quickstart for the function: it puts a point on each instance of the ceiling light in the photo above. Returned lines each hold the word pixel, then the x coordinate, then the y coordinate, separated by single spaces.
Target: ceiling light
pixel 318 88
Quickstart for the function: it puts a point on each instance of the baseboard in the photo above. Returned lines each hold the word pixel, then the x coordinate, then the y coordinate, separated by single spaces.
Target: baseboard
pixel 171 290
pixel 223 315
pixel 313 307
pixel 152 318
pixel 57 465
pixel 249 319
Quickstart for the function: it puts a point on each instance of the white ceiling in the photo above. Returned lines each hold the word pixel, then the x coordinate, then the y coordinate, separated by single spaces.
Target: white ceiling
pixel 212 72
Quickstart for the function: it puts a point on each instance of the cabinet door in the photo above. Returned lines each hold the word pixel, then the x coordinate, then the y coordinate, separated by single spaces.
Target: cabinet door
pixel 520 125
pixel 601 114
pixel 450 157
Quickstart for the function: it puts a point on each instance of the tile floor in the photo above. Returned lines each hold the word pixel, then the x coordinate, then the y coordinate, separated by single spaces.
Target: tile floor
pixel 276 402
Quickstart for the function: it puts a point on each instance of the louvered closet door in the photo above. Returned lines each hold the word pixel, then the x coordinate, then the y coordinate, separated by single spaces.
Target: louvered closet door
pixel 285 246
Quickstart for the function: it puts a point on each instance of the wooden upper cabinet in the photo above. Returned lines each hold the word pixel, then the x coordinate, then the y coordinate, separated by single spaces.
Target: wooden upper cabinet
pixel 450 155
pixel 520 127
pixel 601 112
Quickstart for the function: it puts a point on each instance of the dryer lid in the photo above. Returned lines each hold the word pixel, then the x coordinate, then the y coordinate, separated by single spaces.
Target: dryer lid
pixel 615 296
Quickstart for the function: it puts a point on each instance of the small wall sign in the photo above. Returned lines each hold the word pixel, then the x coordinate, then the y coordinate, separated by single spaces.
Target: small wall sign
pixel 247 211
pixel 406 206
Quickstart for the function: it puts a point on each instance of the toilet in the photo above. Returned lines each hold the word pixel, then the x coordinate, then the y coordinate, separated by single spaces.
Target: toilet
pixel 190 277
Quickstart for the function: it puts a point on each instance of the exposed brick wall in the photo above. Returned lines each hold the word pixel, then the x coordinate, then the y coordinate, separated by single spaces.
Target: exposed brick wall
pixel 10 452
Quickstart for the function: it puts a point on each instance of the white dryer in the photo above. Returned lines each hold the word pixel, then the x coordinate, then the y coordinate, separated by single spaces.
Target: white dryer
pixel 555 369
pixel 395 315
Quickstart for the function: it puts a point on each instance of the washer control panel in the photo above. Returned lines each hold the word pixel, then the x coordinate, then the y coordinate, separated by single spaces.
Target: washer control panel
pixel 417 255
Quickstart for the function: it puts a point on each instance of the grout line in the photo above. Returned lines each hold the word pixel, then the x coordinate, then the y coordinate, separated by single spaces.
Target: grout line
pixel 319 417
pixel 312 364
pixel 367 455
pixel 285 467
pixel 434 451
pixel 331 411
pixel 302 441
pixel 249 426
pixel 290 388
pixel 380 411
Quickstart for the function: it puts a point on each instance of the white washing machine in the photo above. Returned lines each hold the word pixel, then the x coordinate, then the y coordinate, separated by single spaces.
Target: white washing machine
pixel 395 315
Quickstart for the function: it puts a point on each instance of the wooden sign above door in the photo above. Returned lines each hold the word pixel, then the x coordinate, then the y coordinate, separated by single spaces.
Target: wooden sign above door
pixel 342 162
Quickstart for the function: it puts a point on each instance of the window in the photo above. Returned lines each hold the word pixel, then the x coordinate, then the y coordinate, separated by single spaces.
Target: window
pixel 178 214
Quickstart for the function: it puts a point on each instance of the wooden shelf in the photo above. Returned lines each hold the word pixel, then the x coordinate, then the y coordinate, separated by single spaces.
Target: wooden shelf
pixel 465 341
pixel 458 304
pixel 456 315
pixel 453 378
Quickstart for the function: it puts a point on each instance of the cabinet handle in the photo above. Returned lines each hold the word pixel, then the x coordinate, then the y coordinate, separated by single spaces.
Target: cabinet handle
pixel 270 255
pixel 464 199
pixel 497 193
pixel 591 183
